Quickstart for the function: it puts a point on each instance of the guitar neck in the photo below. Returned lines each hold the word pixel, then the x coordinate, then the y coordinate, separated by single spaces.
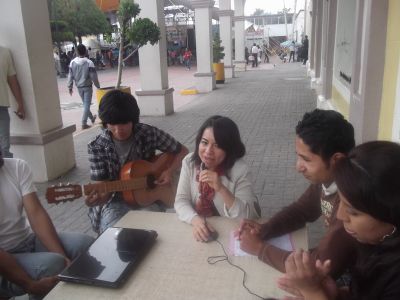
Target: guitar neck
pixel 116 186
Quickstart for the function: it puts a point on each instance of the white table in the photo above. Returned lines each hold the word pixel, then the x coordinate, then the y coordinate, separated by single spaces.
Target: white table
pixel 177 268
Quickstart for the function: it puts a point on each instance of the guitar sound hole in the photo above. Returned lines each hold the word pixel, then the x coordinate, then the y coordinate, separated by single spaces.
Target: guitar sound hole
pixel 151 181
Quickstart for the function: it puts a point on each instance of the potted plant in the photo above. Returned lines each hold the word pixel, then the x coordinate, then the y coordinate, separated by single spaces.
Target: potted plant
pixel 136 33
pixel 218 55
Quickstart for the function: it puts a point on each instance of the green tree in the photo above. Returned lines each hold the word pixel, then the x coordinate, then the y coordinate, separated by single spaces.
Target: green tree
pixel 78 17
pixel 85 18
pixel 258 12
pixel 218 50
pixel 138 32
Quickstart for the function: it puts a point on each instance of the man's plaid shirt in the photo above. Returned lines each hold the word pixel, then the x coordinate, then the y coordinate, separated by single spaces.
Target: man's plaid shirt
pixel 104 162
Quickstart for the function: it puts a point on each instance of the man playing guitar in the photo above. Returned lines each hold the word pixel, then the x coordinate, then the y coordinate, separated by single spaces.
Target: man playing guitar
pixel 124 139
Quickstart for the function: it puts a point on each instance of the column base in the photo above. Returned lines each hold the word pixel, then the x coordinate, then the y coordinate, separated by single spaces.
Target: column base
pixel 156 102
pixel 315 84
pixel 323 103
pixel 240 65
pixel 229 71
pixel 49 155
pixel 205 82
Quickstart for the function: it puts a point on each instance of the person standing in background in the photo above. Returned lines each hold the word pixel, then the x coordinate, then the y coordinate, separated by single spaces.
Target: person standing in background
pixel 8 76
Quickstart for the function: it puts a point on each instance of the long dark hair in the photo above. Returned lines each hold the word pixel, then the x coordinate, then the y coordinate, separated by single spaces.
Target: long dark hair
pixel 227 136
pixel 369 178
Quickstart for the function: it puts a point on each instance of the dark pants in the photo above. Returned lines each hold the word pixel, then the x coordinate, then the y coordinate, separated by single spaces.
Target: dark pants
pixel 291 55
pixel 255 60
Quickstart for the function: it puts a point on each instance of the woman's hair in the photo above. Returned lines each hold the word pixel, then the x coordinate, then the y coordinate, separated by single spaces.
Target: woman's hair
pixel 117 107
pixel 227 136
pixel 369 178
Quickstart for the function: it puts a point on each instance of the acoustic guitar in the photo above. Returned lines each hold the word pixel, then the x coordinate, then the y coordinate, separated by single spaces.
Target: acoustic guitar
pixel 137 184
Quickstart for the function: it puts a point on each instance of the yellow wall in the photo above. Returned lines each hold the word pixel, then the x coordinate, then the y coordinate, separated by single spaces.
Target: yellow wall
pixel 392 55
pixel 340 102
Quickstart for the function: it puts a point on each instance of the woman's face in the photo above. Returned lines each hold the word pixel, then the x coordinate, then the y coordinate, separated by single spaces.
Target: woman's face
pixel 363 227
pixel 210 154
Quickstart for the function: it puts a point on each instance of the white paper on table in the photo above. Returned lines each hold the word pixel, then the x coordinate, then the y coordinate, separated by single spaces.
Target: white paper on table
pixel 283 242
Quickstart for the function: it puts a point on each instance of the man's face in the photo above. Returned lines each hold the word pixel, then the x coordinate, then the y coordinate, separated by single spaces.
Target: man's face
pixel 121 132
pixel 311 165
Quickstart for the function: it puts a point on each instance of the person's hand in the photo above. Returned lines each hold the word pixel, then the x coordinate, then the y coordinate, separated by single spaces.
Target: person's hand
pixel 96 198
pixel 211 178
pixel 70 91
pixel 250 241
pixel 165 177
pixel 20 112
pixel 306 276
pixel 42 286
pixel 200 229
pixel 250 225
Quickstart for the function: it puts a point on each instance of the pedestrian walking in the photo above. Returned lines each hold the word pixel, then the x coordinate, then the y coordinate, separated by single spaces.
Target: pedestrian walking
pixel 254 52
pixel 305 49
pixel 187 57
pixel 83 72
pixel 292 49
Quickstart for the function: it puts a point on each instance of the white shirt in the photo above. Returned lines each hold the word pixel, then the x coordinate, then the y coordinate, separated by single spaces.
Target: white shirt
pixel 15 182
pixel 238 183
pixel 254 50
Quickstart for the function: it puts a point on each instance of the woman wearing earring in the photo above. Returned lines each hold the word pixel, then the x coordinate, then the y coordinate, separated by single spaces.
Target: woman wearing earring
pixel 214 180
pixel 368 181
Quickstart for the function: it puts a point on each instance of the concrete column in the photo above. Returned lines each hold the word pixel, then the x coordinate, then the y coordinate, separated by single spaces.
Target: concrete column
pixel 368 68
pixel 41 139
pixel 205 76
pixel 225 28
pixel 155 98
pixel 240 62
pixel 327 68
pixel 312 36
pixel 317 43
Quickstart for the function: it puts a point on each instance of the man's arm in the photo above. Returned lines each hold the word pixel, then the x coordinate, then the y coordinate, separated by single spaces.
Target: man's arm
pixel 166 176
pixel 13 272
pixel 306 209
pixel 16 91
pixel 70 79
pixel 41 224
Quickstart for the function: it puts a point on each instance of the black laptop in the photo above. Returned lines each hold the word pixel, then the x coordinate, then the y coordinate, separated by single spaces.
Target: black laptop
pixel 111 257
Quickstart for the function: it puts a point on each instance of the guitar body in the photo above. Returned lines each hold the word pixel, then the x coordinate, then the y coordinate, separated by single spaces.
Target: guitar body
pixel 151 171
pixel 137 184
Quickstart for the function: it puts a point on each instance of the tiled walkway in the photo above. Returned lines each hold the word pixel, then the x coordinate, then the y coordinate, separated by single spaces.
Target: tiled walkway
pixel 266 103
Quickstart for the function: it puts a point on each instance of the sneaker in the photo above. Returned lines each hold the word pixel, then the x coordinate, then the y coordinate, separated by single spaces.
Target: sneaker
pixel 85 126
pixel 93 119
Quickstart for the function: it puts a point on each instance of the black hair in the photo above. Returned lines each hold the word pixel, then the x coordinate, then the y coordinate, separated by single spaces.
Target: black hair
pixel 117 107
pixel 369 178
pixel 326 132
pixel 81 49
pixel 227 136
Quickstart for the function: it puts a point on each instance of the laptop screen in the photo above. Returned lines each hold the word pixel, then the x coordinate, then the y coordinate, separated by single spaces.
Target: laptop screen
pixel 109 259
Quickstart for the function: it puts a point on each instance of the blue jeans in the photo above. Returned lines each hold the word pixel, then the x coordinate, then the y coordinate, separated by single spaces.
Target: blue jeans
pixel 5 132
pixel 117 208
pixel 86 96
pixel 34 258
pixel 187 63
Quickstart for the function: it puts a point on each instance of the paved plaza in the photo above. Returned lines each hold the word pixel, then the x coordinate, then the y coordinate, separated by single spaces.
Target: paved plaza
pixel 266 103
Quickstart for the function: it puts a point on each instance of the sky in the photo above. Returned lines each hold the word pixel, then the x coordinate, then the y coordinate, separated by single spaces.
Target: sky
pixel 271 5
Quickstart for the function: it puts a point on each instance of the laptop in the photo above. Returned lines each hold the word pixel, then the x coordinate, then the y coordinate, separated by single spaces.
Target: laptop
pixel 111 258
